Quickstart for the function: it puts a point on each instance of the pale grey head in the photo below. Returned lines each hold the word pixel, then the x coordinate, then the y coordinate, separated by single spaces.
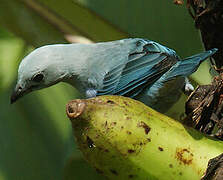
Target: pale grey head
pixel 39 70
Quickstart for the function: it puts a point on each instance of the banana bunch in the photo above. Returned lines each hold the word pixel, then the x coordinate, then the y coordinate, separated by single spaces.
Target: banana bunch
pixel 124 139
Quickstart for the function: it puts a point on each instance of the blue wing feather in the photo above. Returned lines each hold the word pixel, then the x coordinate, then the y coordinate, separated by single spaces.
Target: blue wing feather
pixel 187 66
pixel 141 69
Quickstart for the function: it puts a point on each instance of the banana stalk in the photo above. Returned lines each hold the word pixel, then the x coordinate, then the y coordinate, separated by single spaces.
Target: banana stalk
pixel 124 139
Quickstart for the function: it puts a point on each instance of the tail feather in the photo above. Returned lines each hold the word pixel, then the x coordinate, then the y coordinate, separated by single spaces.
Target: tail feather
pixel 189 65
pixel 201 56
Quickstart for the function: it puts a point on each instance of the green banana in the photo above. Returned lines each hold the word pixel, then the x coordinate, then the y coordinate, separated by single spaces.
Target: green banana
pixel 124 139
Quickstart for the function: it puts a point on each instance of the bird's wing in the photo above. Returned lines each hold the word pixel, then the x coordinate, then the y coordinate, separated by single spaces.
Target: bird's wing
pixel 141 70
pixel 187 66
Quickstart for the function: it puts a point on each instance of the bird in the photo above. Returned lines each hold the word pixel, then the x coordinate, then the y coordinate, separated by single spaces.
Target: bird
pixel 134 67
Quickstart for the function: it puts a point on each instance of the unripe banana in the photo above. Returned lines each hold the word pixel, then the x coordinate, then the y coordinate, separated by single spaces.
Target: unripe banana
pixel 124 139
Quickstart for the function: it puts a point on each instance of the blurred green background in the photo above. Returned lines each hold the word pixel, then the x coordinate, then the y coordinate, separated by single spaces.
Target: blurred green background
pixel 35 135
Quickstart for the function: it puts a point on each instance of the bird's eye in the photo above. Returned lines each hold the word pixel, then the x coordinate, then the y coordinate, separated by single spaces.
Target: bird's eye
pixel 38 77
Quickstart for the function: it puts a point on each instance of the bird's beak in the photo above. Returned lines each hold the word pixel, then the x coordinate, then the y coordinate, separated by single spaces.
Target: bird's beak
pixel 18 92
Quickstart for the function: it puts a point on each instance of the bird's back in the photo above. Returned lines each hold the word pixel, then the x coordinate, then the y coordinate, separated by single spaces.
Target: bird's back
pixel 127 66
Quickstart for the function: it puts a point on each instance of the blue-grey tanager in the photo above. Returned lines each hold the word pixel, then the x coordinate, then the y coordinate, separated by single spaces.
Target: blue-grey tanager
pixel 138 68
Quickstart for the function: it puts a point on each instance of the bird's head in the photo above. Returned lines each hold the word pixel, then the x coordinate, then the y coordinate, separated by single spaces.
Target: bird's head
pixel 38 70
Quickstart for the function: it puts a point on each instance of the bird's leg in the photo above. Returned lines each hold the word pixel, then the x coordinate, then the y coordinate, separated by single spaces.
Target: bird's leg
pixel 188 87
pixel 90 93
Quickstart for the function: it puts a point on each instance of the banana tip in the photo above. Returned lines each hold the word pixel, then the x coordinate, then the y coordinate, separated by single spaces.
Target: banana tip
pixel 75 108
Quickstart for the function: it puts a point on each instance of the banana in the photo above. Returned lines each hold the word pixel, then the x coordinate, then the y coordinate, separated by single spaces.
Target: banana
pixel 124 139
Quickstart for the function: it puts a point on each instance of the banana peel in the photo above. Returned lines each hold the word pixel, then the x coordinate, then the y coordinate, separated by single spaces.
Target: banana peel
pixel 125 139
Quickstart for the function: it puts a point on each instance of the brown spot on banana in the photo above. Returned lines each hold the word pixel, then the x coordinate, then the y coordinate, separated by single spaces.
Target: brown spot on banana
pixel 184 156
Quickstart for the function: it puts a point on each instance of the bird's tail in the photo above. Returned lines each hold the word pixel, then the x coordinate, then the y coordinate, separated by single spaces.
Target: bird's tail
pixel 187 66
pixel 201 56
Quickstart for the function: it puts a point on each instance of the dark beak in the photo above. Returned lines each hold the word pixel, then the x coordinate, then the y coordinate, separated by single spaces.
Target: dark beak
pixel 17 93
pixel 13 98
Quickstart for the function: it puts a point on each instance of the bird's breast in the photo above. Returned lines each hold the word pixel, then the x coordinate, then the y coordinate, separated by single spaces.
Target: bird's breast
pixel 162 95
